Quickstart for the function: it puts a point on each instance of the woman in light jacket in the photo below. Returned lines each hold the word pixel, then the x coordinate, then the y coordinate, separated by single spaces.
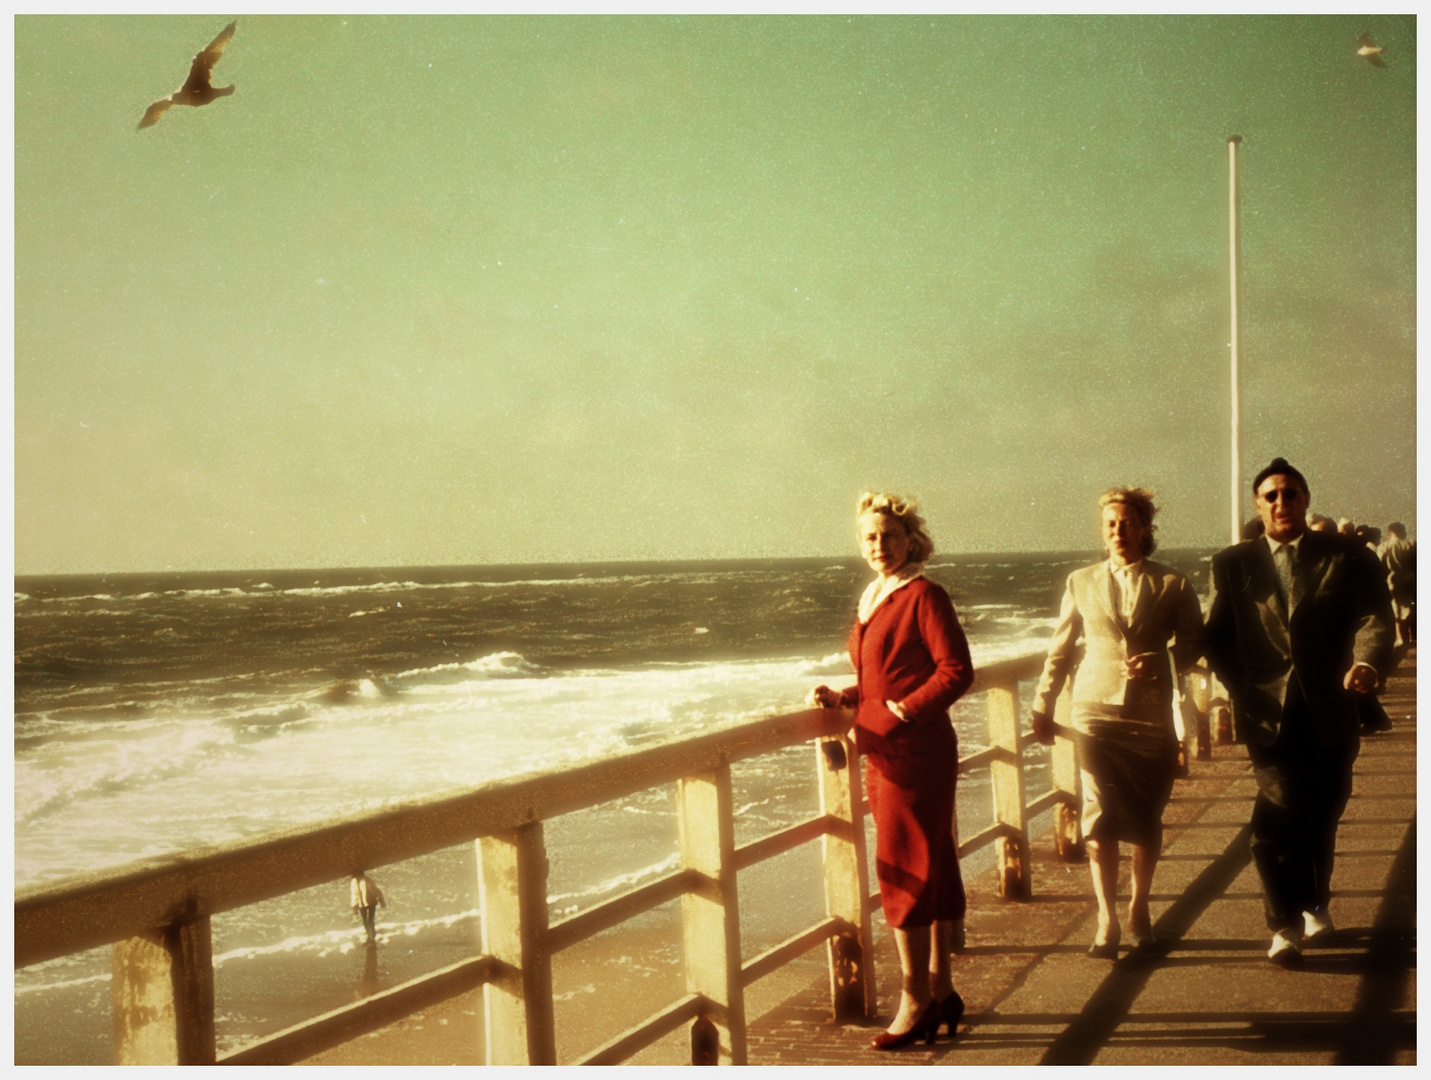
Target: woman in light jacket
pixel 1129 612
pixel 911 663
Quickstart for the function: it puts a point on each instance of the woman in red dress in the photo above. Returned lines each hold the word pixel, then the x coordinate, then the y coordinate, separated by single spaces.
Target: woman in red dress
pixel 911 663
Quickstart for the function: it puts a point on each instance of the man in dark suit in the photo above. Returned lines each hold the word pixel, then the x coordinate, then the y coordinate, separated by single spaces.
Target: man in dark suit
pixel 1300 626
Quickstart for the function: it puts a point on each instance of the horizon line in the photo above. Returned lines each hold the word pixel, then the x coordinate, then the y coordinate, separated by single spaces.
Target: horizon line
pixel 709 561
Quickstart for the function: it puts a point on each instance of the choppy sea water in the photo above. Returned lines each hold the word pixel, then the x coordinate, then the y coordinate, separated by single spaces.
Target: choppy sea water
pixel 155 713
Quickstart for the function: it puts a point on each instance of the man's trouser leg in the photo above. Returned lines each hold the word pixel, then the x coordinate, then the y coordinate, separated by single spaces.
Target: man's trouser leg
pixel 1302 791
pixel 1328 780
pixel 1277 848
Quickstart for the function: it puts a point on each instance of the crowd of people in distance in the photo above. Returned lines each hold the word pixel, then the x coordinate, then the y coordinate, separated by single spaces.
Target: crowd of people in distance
pixel 1305 620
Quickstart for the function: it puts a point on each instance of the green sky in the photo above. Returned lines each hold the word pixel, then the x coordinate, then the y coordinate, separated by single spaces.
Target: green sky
pixel 496 289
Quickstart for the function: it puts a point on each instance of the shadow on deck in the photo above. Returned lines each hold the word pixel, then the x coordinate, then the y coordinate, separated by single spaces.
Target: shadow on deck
pixel 1210 996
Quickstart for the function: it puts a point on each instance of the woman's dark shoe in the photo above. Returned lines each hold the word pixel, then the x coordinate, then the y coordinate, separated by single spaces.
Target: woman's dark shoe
pixel 951 1011
pixel 1145 941
pixel 1107 949
pixel 926 1028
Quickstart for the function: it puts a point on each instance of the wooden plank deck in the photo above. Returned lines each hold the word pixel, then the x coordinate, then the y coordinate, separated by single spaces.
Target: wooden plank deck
pixel 1212 998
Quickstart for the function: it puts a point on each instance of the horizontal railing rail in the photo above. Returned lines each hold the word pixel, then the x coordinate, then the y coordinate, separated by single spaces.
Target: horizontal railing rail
pixel 352 1021
pixel 156 912
pixel 89 910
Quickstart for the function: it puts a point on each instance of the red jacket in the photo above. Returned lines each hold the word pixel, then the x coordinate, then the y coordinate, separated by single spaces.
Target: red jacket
pixel 912 651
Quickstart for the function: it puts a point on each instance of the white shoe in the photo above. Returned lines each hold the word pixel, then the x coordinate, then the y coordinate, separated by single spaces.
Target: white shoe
pixel 1286 950
pixel 1315 924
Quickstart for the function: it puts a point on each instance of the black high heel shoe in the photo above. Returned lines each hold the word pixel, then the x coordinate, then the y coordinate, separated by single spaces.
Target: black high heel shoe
pixel 951 1011
pixel 926 1028
pixel 1107 949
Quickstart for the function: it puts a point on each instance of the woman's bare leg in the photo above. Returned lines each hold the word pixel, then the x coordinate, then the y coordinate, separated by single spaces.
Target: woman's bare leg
pixel 941 979
pixel 1103 863
pixel 913 946
pixel 1145 860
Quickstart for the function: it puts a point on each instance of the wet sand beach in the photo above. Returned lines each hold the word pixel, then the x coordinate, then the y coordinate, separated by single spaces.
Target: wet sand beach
pixel 621 977
pixel 601 986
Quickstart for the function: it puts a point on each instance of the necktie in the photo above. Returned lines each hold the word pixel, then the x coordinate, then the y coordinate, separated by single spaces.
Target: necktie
pixel 1286 575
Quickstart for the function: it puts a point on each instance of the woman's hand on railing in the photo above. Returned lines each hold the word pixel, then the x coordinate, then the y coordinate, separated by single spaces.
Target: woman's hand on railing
pixel 1042 728
pixel 822 697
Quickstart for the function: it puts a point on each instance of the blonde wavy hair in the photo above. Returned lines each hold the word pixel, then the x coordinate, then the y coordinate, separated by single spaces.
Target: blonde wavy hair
pixel 1140 501
pixel 906 512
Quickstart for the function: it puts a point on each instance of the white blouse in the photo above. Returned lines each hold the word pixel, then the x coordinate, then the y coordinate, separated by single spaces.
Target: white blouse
pixel 881 588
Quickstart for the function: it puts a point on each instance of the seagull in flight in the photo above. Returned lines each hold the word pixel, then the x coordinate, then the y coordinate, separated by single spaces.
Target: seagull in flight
pixel 197 89
pixel 1365 46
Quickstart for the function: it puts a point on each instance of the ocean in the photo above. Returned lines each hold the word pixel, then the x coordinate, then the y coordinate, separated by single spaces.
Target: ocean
pixel 159 712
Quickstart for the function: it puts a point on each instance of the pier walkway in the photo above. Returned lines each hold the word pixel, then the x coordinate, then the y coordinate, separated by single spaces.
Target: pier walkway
pixel 1212 997
pixel 1209 997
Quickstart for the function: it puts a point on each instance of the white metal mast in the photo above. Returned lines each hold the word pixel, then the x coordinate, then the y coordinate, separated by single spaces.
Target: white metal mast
pixel 1233 259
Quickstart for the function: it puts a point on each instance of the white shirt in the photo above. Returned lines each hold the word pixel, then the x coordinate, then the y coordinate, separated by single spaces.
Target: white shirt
pixel 1293 550
pixel 1295 545
pixel 365 893
pixel 879 590
pixel 1127 580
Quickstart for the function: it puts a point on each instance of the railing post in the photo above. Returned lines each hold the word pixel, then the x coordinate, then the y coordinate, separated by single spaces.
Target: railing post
pixel 1007 779
pixel 957 937
pixel 1219 710
pixel 852 981
pixel 512 883
pixel 1067 822
pixel 163 995
pixel 710 915
pixel 1198 698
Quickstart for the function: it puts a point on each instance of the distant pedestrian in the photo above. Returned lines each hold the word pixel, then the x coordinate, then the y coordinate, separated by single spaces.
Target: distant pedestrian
pixel 1318 523
pixel 366 897
pixel 1398 562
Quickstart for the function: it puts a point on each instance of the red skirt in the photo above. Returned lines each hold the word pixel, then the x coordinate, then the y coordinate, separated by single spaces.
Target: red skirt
pixel 912 803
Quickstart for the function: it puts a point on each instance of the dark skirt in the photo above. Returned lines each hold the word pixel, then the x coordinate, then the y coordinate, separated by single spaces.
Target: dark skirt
pixel 912 803
pixel 1127 766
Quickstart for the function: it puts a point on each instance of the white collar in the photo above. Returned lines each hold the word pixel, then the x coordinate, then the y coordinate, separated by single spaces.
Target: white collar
pixel 1293 544
pixel 1131 570
pixel 880 589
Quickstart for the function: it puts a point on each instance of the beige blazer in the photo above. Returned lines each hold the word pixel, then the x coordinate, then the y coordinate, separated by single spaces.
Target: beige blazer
pixel 1167 617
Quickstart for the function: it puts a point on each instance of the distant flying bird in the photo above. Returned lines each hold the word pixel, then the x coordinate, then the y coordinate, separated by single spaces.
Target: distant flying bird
pixel 197 89
pixel 1365 46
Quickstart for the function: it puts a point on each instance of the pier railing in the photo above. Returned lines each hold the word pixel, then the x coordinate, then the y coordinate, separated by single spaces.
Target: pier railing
pixel 156 913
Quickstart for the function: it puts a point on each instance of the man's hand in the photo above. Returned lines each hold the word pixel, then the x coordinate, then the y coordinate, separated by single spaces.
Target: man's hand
pixel 822 697
pixel 1042 728
pixel 1361 679
pixel 1141 666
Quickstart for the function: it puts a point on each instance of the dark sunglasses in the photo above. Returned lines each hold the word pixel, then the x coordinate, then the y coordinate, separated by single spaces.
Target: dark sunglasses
pixel 1287 494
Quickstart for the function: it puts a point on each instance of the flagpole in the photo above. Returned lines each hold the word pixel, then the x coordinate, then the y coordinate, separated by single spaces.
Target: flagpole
pixel 1232 344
